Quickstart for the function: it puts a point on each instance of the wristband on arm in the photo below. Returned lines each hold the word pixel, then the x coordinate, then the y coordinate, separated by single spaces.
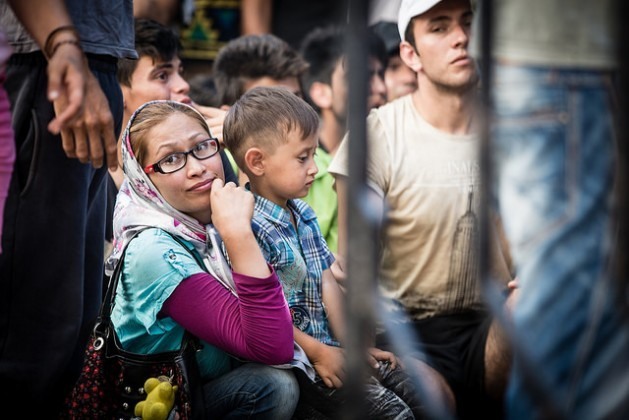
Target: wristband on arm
pixel 51 47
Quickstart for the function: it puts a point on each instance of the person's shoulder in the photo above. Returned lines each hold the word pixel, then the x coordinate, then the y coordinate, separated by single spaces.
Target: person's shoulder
pixel 397 105
pixel 391 117
pixel 153 243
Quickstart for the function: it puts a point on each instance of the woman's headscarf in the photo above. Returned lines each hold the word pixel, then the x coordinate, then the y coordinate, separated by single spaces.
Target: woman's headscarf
pixel 140 205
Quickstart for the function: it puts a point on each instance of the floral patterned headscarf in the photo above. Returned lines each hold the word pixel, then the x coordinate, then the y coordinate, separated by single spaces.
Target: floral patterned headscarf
pixel 140 205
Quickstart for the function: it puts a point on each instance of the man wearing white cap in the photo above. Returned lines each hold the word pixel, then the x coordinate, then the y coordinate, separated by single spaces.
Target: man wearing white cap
pixel 423 164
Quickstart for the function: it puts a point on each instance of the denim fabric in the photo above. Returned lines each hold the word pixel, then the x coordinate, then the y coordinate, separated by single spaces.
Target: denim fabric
pixel 252 391
pixel 553 146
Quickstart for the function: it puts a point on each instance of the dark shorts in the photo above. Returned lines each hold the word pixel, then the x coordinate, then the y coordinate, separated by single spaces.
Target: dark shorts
pixel 454 345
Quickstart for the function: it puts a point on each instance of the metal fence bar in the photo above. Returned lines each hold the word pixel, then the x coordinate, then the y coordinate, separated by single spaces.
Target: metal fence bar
pixel 362 254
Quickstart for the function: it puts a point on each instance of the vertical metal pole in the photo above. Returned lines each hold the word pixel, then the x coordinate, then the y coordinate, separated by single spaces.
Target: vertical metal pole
pixel 361 248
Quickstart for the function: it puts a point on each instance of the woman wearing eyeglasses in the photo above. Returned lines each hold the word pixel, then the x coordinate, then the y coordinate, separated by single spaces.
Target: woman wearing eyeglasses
pixel 175 186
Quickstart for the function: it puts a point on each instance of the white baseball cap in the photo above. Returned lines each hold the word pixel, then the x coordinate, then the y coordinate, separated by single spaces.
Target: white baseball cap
pixel 409 9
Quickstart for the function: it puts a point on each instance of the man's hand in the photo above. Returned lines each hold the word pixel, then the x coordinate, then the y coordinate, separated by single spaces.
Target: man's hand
pixel 375 356
pixel 82 111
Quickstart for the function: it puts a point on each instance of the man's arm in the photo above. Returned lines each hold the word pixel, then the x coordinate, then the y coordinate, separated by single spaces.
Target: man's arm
pixel 255 16
pixel 82 111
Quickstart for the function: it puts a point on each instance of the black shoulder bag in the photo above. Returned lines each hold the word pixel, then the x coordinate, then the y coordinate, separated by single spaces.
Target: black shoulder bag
pixel 112 380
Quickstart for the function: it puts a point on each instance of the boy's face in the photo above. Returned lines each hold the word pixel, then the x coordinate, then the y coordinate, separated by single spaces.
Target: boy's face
pixel 153 81
pixel 289 170
pixel 441 36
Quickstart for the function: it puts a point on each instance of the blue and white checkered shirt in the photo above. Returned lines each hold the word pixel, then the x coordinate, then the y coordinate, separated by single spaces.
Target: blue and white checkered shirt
pixel 299 259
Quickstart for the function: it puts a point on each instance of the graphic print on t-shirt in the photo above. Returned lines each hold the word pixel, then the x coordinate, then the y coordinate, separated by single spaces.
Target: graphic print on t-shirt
pixel 464 265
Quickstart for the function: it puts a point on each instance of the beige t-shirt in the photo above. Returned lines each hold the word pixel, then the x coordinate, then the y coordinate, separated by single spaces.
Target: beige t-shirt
pixel 430 182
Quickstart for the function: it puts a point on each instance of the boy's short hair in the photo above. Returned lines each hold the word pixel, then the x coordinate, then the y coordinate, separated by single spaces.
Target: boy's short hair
pixel 251 57
pixel 263 117
pixel 152 39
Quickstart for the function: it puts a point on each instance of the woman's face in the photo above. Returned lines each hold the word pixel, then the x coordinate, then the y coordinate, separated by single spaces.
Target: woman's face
pixel 188 189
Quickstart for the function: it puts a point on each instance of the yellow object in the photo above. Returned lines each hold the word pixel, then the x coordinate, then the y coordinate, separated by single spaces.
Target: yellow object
pixel 160 398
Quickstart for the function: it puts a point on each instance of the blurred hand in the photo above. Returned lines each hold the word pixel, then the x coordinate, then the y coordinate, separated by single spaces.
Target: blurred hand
pixel 375 355
pixel 214 118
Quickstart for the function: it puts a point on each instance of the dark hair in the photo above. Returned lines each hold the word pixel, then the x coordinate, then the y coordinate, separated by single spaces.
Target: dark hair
pixel 322 48
pixel 263 117
pixel 390 35
pixel 203 90
pixel 377 47
pixel 152 39
pixel 409 35
pixel 252 57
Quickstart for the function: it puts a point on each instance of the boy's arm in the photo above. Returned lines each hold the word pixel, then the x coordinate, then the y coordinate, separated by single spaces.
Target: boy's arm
pixel 327 360
pixel 332 297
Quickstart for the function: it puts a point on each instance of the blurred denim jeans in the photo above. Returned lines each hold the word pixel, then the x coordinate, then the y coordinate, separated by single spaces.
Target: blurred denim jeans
pixel 252 391
pixel 553 145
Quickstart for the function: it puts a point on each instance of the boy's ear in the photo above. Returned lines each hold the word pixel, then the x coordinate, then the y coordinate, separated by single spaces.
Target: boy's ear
pixel 321 94
pixel 254 160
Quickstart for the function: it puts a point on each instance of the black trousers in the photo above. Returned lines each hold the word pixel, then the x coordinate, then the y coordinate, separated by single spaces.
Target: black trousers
pixel 53 236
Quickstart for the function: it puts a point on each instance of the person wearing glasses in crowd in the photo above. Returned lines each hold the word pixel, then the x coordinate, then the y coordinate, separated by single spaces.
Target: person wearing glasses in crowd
pixel 156 74
pixel 174 186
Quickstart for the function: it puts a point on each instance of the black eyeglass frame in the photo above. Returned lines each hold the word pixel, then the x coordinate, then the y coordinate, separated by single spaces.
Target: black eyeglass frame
pixel 156 167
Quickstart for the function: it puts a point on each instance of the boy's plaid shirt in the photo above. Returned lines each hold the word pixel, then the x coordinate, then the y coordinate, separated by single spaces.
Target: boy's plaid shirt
pixel 299 258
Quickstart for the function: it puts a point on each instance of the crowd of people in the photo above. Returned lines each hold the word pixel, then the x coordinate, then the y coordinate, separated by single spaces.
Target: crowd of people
pixel 229 199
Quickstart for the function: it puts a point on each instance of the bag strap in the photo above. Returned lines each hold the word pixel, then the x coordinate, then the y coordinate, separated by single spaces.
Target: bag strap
pixel 110 295
pixel 108 300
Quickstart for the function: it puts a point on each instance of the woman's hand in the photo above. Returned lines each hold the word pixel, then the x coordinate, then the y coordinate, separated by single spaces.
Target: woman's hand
pixel 232 209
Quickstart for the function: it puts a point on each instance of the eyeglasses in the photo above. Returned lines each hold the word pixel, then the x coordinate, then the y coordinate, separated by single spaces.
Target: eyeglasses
pixel 175 161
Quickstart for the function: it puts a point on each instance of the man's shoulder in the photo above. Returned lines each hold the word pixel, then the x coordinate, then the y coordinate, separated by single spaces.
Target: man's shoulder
pixel 391 114
pixel 394 107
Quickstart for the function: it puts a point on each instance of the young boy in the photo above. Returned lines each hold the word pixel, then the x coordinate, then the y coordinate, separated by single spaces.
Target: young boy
pixel 272 135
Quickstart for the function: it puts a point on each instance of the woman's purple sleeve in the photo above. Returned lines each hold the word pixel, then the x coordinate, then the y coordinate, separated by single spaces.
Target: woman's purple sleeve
pixel 256 325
